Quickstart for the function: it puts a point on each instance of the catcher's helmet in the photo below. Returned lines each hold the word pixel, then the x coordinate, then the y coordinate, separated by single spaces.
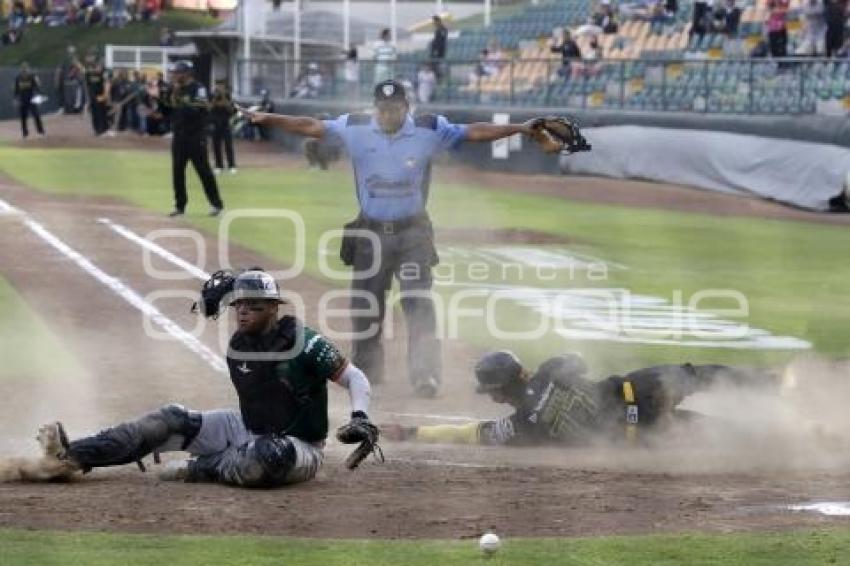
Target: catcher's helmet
pixel 255 284
pixel 497 369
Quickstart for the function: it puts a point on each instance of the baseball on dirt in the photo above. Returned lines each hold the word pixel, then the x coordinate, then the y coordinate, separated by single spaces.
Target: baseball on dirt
pixel 489 543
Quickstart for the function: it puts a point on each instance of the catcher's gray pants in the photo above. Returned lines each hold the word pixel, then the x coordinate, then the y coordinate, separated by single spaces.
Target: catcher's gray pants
pixel 408 255
pixel 228 452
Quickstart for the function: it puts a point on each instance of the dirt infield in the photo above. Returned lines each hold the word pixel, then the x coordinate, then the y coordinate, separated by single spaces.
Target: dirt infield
pixel 420 492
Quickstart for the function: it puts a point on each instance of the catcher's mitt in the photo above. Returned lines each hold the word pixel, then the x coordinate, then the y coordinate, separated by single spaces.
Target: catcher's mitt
pixel 214 290
pixel 557 134
pixel 359 430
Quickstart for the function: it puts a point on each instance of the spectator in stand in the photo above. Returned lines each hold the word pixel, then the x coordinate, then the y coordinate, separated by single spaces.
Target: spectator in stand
pixel 603 17
pixel 777 29
pixel 658 17
pixel 495 56
pixel 562 43
pixel 671 8
pixel 385 55
pixel 18 16
pixel 484 68
pixel 591 57
pixel 38 11
pixel 150 9
pixel 309 83
pixel 814 32
pixel 843 52
pixel 726 18
pixel 835 15
pixel 351 74
pixel 701 17
pixel 426 83
pixel 117 13
pixel 438 45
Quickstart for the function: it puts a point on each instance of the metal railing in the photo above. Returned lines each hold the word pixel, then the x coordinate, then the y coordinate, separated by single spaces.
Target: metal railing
pixel 728 86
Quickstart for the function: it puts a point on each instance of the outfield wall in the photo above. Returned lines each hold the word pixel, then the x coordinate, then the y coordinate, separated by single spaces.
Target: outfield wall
pixel 799 160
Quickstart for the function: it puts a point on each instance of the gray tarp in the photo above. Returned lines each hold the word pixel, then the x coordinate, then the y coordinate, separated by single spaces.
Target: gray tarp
pixel 799 173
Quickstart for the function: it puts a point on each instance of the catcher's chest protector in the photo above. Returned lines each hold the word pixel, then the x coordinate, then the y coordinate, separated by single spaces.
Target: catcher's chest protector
pixel 277 395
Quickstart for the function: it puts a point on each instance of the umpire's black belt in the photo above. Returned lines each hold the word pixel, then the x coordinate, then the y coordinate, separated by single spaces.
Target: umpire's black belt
pixel 390 227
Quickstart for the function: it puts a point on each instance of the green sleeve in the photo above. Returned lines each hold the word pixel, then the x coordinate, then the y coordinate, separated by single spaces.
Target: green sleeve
pixel 320 356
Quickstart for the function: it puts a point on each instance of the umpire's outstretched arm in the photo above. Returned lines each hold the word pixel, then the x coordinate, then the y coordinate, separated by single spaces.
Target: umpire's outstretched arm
pixel 299 125
pixel 486 132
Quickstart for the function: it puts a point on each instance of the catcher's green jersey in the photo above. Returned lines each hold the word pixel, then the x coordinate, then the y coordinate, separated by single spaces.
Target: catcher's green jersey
pixel 281 379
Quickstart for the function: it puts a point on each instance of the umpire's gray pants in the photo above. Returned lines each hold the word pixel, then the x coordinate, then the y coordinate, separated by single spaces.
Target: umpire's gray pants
pixel 408 256
pixel 223 444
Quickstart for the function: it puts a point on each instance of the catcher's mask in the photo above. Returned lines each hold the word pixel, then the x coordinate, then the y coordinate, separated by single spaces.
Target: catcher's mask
pixel 496 370
pixel 255 284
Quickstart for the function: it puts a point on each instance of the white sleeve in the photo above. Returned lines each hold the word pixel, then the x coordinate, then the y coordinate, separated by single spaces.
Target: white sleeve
pixel 359 390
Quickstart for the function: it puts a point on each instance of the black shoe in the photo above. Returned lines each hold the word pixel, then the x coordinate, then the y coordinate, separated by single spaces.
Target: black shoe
pixel 426 388
pixel 214 211
pixel 174 213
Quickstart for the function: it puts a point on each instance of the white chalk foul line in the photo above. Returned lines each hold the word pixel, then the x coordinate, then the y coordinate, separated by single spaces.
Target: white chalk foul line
pixel 6 208
pixel 156 248
pixel 120 289
pixel 446 418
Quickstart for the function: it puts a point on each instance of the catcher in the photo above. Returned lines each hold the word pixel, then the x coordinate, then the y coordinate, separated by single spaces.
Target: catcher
pixel 559 404
pixel 392 152
pixel 280 369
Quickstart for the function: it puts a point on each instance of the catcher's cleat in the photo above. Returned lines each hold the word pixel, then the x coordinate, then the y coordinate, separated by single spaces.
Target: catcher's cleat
pixel 177 470
pixel 53 440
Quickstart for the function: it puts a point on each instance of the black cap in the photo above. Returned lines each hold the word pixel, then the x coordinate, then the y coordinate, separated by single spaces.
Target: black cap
pixel 181 66
pixel 390 90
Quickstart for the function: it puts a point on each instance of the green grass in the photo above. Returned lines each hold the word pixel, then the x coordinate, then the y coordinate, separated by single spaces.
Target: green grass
pixel 45 47
pixel 94 549
pixel 790 272
pixel 28 349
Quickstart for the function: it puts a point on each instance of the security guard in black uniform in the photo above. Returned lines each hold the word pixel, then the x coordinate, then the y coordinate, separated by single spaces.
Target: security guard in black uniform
pixel 96 86
pixel 27 86
pixel 559 404
pixel 222 110
pixel 188 109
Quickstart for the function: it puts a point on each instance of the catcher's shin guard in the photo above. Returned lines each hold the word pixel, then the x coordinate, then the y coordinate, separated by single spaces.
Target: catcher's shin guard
pixel 132 441
pixel 263 462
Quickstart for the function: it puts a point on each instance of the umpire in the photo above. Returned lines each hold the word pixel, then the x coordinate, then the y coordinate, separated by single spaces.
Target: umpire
pixel 27 86
pixel 188 108
pixel 392 152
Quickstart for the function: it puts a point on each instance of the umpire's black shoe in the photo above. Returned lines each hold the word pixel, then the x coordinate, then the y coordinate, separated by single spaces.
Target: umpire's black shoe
pixel 175 213
pixel 426 388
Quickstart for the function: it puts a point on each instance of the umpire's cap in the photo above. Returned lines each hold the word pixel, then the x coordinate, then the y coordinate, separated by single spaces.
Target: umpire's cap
pixel 182 66
pixel 497 369
pixel 390 90
pixel 255 283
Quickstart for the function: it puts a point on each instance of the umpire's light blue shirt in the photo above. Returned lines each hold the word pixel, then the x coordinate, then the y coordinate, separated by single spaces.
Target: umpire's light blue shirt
pixel 392 172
